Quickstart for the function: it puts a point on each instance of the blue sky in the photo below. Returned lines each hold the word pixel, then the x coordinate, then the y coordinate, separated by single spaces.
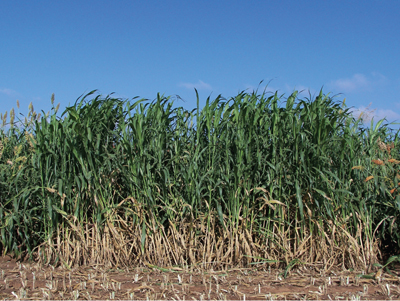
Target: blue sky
pixel 140 48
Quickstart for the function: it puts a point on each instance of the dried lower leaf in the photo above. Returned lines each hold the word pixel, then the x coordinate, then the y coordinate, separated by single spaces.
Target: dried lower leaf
pixel 378 162
pixel 369 178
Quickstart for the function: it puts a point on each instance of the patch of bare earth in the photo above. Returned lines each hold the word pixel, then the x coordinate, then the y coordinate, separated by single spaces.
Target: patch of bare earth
pixel 30 281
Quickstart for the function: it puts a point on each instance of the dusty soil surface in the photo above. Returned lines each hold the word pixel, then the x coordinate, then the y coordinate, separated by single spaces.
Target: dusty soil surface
pixel 30 281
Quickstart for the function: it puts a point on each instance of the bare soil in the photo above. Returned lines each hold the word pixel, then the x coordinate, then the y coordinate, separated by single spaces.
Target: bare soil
pixel 27 280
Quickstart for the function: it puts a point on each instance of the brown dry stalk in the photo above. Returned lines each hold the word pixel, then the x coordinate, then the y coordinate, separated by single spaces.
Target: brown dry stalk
pixel 195 244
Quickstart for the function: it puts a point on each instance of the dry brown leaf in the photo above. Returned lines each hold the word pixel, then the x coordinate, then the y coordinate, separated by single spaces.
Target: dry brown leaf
pixel 369 178
pixel 378 162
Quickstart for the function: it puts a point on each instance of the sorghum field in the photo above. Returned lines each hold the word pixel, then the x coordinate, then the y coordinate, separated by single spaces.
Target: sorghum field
pixel 230 201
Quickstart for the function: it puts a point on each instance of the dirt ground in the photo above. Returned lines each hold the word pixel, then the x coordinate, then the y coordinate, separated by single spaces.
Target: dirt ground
pixel 30 281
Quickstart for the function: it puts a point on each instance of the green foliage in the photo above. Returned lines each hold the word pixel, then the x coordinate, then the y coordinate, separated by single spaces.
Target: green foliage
pixel 263 160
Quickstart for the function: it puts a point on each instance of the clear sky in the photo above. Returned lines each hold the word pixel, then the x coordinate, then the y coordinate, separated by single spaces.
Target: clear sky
pixel 140 48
